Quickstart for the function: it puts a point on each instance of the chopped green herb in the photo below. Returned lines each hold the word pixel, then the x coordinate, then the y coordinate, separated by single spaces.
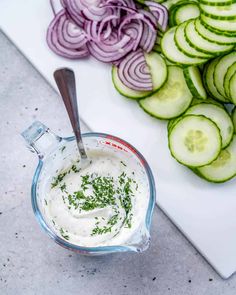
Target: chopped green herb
pixel 97 192
pixel 63 148
pixel 63 234
pixel 63 187
pixel 107 228
pixel 113 220
pixel 128 220
pixel 75 169
pixel 123 163
pixel 101 230
pixel 63 198
pixel 46 203
pixel 122 178
pixel 58 179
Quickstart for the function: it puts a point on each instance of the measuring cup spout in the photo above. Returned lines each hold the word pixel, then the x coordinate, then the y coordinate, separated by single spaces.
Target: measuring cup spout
pixel 40 139
pixel 140 241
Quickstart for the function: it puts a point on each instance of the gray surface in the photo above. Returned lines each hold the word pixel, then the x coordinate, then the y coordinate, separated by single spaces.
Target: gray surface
pixel 31 263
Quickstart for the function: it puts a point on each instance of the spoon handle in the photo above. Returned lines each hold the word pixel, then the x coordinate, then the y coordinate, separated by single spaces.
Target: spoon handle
pixel 65 79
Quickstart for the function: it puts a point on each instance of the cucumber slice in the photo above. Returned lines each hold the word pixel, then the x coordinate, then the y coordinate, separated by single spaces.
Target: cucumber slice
pixel 183 11
pixel 124 90
pixel 234 118
pixel 184 46
pixel 217 2
pixel 232 88
pixel 219 116
pixel 195 141
pixel 221 69
pixel 226 27
pixel 172 99
pixel 158 71
pixel 208 100
pixel 158 40
pixel 193 79
pixel 213 36
pixel 169 3
pixel 223 168
pixel 227 12
pixel 218 32
pixel 201 44
pixel 189 10
pixel 209 81
pixel 230 72
pixel 157 48
pixel 171 51
pixel 172 122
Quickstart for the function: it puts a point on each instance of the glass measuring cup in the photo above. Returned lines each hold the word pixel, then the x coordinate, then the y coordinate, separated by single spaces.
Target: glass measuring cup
pixel 56 154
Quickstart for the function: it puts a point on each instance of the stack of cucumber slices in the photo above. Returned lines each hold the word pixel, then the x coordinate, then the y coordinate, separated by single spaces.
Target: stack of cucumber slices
pixel 193 69
pixel 201 30
pixel 220 78
pixel 203 139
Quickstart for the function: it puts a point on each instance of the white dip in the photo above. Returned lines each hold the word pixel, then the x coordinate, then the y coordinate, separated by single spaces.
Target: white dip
pixel 103 204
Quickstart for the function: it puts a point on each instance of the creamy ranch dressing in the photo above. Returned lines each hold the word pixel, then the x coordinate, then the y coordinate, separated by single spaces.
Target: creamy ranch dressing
pixel 103 204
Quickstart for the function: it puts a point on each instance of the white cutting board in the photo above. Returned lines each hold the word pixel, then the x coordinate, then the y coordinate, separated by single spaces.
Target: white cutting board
pixel 205 213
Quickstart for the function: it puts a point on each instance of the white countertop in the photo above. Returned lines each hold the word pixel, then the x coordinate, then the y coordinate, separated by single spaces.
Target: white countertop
pixel 31 263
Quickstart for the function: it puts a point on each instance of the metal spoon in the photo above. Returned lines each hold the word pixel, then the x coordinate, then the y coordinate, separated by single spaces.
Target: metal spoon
pixel 65 80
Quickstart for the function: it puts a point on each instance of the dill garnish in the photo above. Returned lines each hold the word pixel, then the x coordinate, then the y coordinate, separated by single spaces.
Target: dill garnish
pixel 63 234
pixel 75 169
pixel 63 187
pixel 63 148
pixel 123 163
pixel 97 192
pixel 58 179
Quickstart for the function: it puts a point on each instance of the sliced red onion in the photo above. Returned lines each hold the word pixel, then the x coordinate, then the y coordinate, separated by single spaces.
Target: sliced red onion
pixel 160 12
pixel 134 29
pixel 106 20
pixel 110 30
pixel 53 7
pixel 134 73
pixel 111 49
pixel 97 31
pixel 74 12
pixel 57 47
pixel 148 39
pixel 149 18
pixel 69 34
pixel 63 4
pixel 127 3
pixel 91 9
pixel 141 14
pixel 117 62
pixel 91 29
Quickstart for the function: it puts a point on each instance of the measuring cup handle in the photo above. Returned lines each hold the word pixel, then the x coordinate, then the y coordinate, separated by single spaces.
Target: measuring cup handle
pixel 40 139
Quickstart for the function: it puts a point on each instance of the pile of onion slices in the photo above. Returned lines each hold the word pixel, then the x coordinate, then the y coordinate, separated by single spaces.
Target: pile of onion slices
pixel 113 31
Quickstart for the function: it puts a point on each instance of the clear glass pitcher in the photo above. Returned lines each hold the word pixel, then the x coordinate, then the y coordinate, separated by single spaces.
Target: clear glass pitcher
pixel 55 154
